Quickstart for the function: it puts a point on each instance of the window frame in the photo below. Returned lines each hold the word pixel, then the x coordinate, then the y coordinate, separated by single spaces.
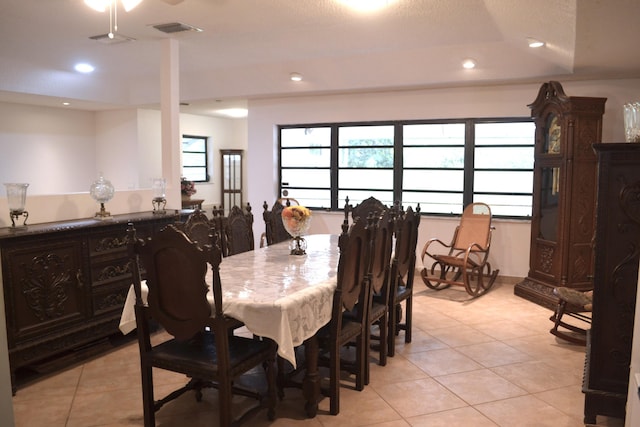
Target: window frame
pixel 204 154
pixel 398 169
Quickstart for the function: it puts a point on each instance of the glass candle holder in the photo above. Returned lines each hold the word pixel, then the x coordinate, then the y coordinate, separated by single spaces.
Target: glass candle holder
pixel 159 201
pixel 632 122
pixel 16 198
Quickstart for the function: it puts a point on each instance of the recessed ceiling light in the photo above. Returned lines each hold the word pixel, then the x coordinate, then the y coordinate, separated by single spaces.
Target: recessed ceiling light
pixel 236 113
pixel 469 63
pixel 535 43
pixel 66 104
pixel 84 68
pixel 367 5
pixel 295 77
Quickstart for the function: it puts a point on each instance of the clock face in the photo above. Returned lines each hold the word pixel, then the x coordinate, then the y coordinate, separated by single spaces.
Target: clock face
pixel 553 135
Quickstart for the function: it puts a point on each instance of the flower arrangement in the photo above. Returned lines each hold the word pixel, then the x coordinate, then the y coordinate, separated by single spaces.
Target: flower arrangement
pixel 187 188
pixel 296 219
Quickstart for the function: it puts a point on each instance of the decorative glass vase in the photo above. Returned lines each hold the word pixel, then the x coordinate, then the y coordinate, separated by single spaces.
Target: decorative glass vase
pixel 159 201
pixel 102 191
pixel 632 122
pixel 297 228
pixel 16 198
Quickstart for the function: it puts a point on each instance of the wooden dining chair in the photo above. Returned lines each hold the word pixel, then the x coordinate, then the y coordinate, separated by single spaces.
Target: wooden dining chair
pixel 353 286
pixel 221 226
pixel 402 274
pixel 380 270
pixel 274 229
pixel 199 346
pixel 367 206
pixel 197 227
pixel 238 230
pixel 380 287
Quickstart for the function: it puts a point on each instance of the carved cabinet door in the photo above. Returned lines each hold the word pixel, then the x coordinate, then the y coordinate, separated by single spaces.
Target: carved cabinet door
pixel 47 291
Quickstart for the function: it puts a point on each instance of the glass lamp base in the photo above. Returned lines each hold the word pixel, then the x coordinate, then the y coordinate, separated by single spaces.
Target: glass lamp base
pixel 103 214
pixel 159 204
pixel 298 246
pixel 15 214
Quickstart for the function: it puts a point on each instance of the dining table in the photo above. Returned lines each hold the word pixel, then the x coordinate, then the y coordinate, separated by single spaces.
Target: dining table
pixel 277 295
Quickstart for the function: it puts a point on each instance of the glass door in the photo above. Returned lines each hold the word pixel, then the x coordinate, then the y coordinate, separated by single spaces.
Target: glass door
pixel 231 179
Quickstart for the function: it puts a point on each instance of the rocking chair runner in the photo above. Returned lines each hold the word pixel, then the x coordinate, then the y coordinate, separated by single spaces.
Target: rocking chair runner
pixel 465 261
pixel 576 304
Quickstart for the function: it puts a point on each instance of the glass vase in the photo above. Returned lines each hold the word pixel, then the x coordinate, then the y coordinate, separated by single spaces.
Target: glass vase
pixel 297 228
pixel 632 122
pixel 16 199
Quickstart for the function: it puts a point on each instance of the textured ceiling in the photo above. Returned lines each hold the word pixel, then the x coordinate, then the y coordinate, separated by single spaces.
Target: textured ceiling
pixel 248 47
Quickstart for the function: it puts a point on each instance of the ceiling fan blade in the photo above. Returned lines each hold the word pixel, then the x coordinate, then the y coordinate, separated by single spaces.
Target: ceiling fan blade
pixel 173 2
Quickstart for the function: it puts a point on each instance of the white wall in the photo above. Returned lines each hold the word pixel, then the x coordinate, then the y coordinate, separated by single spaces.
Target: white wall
pixel 117 156
pixel 39 145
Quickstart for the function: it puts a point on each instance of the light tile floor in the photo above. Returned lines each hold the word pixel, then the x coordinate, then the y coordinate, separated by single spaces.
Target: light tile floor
pixel 479 362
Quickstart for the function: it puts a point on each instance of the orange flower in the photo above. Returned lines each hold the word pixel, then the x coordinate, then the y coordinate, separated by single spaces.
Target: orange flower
pixel 287 213
pixel 298 213
pixel 296 219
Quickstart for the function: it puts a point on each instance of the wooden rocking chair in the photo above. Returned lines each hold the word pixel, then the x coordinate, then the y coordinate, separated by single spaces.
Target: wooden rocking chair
pixel 464 262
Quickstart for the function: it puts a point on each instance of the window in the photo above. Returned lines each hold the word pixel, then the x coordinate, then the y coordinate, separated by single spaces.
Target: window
pixel 365 163
pixel 443 165
pixel 305 165
pixel 194 158
pixel 433 166
pixel 503 167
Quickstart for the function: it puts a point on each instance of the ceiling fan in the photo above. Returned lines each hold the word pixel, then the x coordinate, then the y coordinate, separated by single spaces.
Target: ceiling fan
pixel 112 7
pixel 102 5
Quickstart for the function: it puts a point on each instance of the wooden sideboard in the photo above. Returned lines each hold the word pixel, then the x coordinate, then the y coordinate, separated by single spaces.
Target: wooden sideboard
pixel 192 203
pixel 616 256
pixel 65 283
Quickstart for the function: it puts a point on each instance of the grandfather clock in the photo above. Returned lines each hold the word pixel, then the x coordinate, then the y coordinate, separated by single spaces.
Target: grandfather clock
pixel 564 193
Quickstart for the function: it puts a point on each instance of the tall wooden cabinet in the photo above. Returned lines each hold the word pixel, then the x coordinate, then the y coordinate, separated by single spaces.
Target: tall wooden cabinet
pixel 617 253
pixel 65 283
pixel 562 225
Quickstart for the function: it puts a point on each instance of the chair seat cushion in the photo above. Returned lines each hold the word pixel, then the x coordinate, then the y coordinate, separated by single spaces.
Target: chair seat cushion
pixel 402 293
pixel 377 310
pixel 198 356
pixel 350 329
pixel 456 261
pixel 575 297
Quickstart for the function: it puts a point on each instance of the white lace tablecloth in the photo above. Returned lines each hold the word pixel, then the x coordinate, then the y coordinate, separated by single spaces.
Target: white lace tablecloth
pixel 277 295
